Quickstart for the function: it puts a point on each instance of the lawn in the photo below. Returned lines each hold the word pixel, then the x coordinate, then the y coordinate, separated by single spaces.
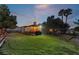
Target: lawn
pixel 20 44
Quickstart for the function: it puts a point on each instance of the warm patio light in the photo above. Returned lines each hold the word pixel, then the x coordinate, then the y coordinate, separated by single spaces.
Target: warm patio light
pixel 50 30
pixel 40 26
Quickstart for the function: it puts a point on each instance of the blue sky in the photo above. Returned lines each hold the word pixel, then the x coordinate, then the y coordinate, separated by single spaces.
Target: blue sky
pixel 28 13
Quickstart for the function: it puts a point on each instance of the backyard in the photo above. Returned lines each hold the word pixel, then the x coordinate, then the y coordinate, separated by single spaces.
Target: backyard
pixel 21 44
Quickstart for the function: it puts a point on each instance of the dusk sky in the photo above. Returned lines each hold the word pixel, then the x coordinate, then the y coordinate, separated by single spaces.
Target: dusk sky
pixel 28 13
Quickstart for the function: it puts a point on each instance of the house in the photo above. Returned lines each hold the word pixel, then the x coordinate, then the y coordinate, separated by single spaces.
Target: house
pixel 32 29
pixel 17 29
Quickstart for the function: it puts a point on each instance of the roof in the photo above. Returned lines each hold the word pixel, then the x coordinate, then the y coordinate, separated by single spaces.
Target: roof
pixel 31 25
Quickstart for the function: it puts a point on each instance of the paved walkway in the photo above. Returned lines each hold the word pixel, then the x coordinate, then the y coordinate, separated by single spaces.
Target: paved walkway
pixel 76 40
pixel 2 39
pixel 71 38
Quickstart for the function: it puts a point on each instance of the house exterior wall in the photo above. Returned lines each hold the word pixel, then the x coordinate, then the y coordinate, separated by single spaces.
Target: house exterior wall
pixel 32 29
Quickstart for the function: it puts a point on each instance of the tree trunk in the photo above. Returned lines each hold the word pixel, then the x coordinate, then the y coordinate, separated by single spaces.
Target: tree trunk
pixel 4 30
pixel 66 19
pixel 62 18
pixel 0 31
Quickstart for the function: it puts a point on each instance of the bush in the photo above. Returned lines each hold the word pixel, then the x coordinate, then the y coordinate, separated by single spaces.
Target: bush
pixel 76 29
pixel 38 33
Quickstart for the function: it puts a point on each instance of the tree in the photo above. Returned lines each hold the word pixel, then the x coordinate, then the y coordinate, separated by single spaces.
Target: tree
pixel 44 28
pixel 61 13
pixel 10 22
pixel 6 19
pixel 54 24
pixel 67 12
pixel 49 21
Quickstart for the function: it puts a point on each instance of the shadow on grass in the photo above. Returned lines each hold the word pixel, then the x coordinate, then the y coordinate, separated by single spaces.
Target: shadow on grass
pixel 57 51
pixel 66 51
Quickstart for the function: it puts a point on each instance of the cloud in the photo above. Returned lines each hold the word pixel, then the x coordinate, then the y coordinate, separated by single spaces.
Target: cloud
pixel 44 10
pixel 42 6
pixel 41 9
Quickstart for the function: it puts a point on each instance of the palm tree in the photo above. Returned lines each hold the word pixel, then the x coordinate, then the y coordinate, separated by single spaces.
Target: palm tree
pixel 61 13
pixel 67 12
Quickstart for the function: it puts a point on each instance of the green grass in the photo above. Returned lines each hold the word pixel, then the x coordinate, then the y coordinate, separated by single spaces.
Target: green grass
pixel 20 44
